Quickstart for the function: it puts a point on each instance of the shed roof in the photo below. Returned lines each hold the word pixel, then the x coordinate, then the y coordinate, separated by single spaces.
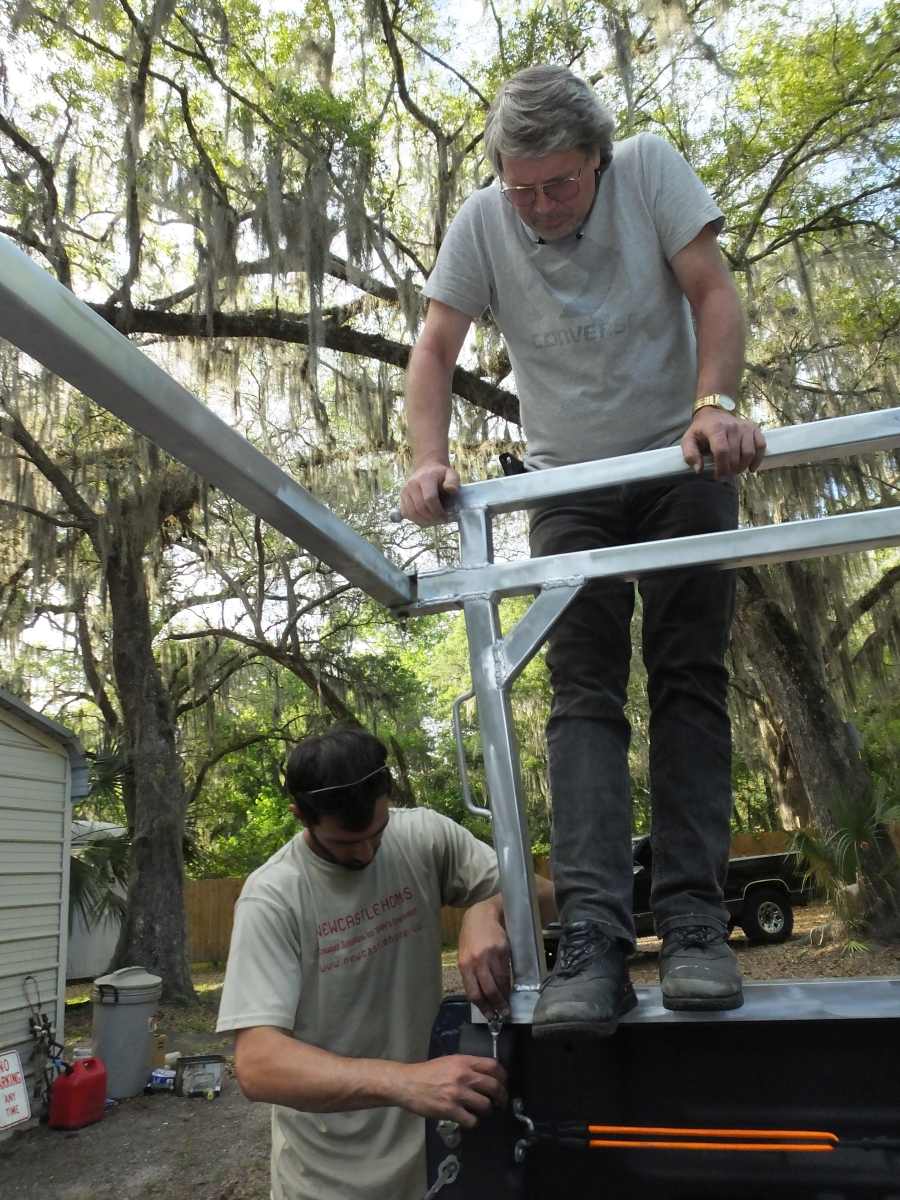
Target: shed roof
pixel 81 785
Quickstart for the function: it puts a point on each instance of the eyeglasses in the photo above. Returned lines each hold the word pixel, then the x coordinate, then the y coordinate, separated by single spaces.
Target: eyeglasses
pixel 557 190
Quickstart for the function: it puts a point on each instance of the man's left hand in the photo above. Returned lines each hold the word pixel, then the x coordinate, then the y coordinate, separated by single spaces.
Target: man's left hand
pixel 484 957
pixel 735 444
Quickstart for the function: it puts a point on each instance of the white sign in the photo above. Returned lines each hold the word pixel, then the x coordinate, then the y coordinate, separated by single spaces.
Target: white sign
pixel 14 1106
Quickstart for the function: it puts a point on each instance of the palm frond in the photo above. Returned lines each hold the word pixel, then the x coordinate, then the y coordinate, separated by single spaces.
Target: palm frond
pixel 98 880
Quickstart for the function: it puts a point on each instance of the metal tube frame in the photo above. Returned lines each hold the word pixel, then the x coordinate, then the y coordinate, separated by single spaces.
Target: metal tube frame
pixel 44 319
pixel 478 584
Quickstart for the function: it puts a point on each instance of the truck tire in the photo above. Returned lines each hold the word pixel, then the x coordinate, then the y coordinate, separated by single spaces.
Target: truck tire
pixel 767 916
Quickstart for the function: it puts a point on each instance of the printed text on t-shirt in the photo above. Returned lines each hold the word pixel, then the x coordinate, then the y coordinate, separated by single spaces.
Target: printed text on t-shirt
pixel 368 929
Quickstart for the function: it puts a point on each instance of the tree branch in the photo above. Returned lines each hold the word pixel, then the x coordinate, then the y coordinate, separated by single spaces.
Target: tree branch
pixel 447 67
pixel 223 752
pixel 84 515
pixel 467 385
pixel 840 630
pixel 822 222
pixel 297 664
pixel 59 256
pixel 791 159
pixel 99 693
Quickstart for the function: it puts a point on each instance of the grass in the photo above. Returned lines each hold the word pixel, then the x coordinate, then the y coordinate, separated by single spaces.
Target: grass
pixel 174 1019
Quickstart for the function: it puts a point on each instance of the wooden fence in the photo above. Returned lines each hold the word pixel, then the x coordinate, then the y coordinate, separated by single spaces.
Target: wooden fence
pixel 210 912
pixel 210 902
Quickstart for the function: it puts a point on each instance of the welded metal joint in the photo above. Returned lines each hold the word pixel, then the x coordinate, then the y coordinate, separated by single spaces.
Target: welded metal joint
pixel 565 581
pixel 500 664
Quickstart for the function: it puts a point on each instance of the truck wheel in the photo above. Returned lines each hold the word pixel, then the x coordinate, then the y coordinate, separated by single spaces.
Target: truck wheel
pixel 767 917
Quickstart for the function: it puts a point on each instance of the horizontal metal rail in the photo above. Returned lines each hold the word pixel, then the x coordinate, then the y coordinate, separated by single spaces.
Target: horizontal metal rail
pixel 47 321
pixel 793 445
pixel 449 587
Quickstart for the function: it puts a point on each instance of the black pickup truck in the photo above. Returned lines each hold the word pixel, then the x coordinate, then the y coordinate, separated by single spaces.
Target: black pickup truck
pixel 761 892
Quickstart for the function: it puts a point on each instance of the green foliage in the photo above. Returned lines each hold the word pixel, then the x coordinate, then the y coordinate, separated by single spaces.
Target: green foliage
pixel 315 112
pixel 834 861
pixel 98 880
pixel 879 727
pixel 259 826
pixel 543 33
pixel 294 142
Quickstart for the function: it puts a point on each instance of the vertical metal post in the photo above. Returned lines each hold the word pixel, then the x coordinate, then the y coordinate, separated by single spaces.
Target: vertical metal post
pixel 501 763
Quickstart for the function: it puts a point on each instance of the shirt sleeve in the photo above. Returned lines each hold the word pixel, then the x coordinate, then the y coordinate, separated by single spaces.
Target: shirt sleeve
pixel 460 277
pixel 263 974
pixel 468 868
pixel 680 205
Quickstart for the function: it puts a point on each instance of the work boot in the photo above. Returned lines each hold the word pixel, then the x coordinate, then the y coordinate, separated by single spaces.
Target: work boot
pixel 588 988
pixel 698 971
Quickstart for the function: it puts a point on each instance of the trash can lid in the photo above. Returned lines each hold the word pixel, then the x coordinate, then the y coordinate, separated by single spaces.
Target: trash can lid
pixel 129 985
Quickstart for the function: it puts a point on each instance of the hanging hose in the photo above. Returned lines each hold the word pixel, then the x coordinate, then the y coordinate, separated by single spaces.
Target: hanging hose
pixel 47 1053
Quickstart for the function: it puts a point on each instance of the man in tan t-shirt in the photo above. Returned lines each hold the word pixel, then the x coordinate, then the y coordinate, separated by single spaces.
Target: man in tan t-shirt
pixel 334 979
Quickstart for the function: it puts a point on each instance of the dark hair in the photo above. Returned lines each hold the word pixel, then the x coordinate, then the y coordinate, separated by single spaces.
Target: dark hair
pixel 343 755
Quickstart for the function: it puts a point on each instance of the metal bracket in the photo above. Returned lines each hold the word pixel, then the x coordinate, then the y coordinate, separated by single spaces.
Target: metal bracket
pixel 446 1174
pixel 523 1144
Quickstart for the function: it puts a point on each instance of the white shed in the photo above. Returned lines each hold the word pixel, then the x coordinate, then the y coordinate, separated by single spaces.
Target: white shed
pixel 42 770
pixel 91 948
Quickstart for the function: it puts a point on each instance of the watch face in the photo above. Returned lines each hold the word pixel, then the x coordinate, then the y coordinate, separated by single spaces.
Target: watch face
pixel 725 402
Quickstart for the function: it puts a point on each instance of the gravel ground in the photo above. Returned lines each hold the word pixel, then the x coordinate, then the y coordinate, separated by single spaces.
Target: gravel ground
pixel 163 1146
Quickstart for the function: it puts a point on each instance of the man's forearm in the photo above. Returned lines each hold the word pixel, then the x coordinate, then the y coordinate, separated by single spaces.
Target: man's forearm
pixel 428 406
pixel 275 1068
pixel 720 341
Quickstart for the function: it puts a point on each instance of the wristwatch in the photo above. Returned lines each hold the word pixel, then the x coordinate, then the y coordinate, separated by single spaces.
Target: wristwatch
pixel 714 400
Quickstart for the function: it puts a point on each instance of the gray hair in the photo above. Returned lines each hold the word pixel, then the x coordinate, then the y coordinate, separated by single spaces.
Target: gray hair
pixel 544 109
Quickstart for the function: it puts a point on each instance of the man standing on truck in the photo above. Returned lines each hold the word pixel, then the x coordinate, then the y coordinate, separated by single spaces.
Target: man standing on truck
pixel 334 978
pixel 600 266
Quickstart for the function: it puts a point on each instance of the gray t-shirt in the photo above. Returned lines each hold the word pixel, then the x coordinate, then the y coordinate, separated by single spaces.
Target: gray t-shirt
pixel 598 331
pixel 350 961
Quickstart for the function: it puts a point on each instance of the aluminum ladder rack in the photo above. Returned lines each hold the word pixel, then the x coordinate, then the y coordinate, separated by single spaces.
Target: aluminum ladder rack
pixel 796 1050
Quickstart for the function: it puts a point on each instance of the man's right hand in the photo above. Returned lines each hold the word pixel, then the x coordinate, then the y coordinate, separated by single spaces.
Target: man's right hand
pixel 458 1087
pixel 421 500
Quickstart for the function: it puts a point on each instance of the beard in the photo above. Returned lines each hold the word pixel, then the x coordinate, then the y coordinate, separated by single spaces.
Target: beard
pixel 324 852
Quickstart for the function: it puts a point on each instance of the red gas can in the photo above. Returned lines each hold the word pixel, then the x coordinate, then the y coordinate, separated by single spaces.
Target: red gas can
pixel 78 1096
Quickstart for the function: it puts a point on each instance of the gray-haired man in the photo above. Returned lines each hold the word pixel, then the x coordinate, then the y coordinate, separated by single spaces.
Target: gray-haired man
pixel 600 266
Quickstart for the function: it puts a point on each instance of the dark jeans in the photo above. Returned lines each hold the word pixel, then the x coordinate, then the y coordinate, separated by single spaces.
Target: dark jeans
pixel 687 617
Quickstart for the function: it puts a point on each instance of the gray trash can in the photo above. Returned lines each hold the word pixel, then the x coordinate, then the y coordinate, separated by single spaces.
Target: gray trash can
pixel 125 1002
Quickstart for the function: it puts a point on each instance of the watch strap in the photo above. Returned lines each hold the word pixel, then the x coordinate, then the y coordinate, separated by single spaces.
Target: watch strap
pixel 714 400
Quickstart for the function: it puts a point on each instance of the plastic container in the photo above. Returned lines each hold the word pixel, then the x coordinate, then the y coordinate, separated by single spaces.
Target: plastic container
pixel 78 1096
pixel 162 1079
pixel 125 1002
pixel 199 1075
